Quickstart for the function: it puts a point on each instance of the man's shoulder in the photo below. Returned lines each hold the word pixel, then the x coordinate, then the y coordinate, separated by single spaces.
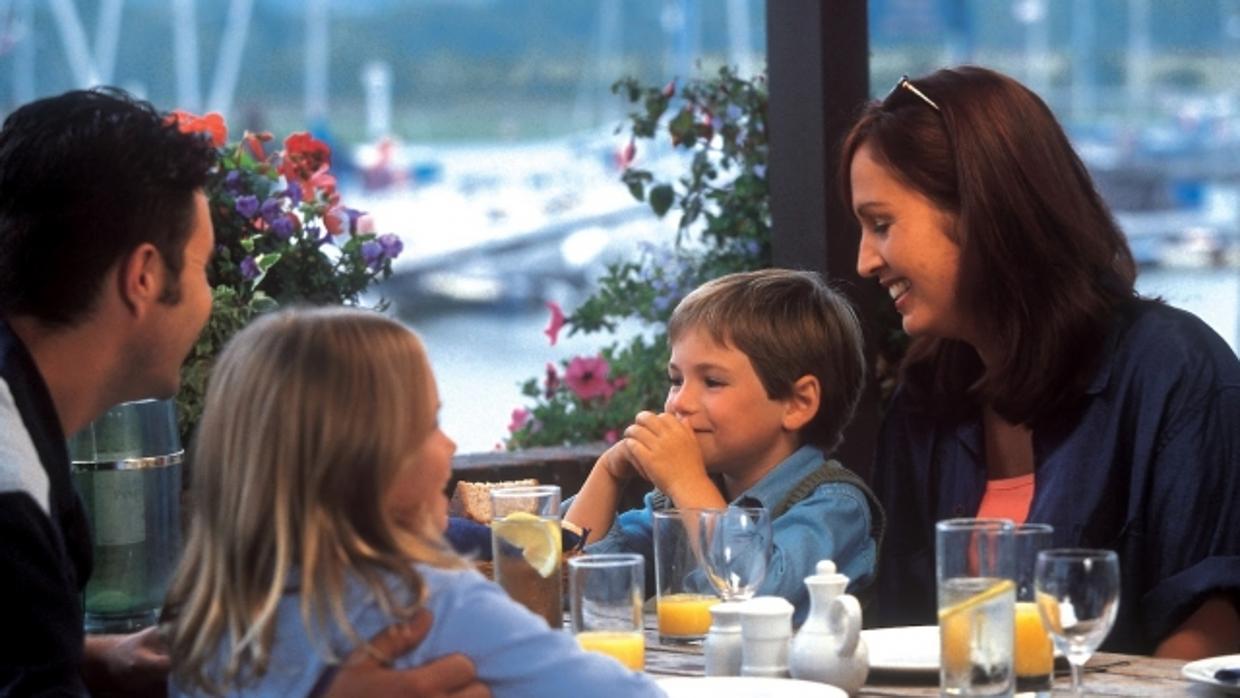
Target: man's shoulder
pixel 21 470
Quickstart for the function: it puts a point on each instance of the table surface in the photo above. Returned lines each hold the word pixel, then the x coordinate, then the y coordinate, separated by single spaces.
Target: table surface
pixel 1106 674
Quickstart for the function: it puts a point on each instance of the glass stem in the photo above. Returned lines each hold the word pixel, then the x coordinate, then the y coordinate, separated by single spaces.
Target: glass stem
pixel 1077 671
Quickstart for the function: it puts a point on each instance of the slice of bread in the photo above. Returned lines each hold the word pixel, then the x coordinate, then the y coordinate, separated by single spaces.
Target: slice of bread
pixel 472 500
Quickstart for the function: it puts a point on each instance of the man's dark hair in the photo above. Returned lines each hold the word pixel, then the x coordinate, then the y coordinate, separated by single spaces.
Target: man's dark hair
pixel 85 178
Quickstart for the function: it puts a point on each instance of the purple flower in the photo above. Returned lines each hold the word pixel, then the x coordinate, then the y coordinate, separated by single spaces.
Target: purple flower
pixel 353 215
pixel 372 254
pixel 391 244
pixel 249 268
pixel 272 210
pixel 293 192
pixel 247 205
pixel 282 227
pixel 233 183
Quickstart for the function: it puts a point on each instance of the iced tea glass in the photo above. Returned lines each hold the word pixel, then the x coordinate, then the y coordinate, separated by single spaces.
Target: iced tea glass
pixel 976 597
pixel 525 548
pixel 683 593
pixel 605 605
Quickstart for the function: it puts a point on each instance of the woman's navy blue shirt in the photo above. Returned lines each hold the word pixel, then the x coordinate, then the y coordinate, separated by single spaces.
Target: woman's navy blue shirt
pixel 1148 466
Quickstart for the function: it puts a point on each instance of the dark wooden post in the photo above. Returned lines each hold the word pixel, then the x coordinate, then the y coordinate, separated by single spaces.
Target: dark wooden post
pixel 818 67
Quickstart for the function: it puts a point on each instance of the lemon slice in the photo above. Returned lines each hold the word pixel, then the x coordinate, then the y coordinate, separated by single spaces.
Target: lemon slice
pixel 1000 587
pixel 538 539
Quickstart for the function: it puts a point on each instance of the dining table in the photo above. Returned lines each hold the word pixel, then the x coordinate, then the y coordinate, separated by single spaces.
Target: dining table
pixel 1105 674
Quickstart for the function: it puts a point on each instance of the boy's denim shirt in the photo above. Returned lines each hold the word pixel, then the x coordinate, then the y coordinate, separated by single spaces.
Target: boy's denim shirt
pixel 833 522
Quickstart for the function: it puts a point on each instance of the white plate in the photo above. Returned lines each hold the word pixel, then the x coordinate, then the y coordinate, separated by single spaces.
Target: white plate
pixel 910 649
pixel 744 687
pixel 1202 671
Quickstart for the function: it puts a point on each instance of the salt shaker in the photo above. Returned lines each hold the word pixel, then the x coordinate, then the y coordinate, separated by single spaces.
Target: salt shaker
pixel 766 629
pixel 722 647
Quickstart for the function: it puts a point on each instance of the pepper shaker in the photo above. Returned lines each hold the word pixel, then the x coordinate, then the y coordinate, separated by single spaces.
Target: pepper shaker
pixel 722 648
pixel 766 630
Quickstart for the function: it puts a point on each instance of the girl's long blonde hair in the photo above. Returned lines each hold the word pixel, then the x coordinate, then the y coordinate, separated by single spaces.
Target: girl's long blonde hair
pixel 310 415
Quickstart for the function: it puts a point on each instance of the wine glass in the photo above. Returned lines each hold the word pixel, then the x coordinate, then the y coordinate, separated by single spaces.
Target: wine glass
pixel 1078 597
pixel 736 545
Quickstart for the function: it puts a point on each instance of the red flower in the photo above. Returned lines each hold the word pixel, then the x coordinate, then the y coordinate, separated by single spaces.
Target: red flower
pixel 304 156
pixel 255 141
pixel 557 322
pixel 587 377
pixel 212 124
pixel 336 220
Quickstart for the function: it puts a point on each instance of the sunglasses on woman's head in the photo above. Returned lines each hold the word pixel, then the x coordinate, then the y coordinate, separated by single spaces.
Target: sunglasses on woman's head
pixel 905 84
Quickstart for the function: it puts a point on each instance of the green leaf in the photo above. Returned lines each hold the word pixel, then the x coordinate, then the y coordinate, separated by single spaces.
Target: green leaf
pixel 661 198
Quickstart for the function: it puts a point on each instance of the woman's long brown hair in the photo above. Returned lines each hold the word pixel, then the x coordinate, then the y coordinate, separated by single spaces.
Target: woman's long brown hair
pixel 1043 264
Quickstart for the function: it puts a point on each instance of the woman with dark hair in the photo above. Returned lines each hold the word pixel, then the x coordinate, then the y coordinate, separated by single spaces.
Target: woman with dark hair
pixel 1039 386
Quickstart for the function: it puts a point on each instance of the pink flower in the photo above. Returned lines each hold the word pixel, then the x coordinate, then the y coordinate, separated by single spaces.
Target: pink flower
pixel 625 157
pixel 669 89
pixel 611 436
pixel 557 322
pixel 587 377
pixel 520 417
pixel 619 383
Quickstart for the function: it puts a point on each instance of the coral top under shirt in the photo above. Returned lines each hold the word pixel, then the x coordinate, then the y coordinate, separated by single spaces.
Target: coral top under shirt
pixel 1007 498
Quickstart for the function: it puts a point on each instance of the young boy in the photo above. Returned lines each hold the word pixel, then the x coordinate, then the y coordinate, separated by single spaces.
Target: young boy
pixel 765 372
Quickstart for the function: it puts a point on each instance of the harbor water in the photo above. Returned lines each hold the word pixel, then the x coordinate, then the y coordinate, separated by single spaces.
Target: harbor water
pixel 481 356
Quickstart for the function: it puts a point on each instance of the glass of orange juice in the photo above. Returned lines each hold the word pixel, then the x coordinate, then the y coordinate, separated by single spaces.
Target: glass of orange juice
pixel 683 592
pixel 1033 654
pixel 605 604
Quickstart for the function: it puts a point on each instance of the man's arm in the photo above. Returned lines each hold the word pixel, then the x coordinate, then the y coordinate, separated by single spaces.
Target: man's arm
pixel 368 672
pixel 129 665
pixel 41 645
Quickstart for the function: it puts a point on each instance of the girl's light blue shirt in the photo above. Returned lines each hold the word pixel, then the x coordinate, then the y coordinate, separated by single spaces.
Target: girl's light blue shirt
pixel 515 653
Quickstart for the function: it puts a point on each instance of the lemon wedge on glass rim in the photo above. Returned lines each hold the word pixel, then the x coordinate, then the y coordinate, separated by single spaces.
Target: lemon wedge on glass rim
pixel 538 539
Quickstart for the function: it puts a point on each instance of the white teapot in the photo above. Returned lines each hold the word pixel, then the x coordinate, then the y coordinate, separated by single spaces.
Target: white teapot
pixel 829 648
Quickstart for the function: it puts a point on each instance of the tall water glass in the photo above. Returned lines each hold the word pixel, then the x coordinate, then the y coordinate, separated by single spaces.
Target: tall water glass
pixel 736 547
pixel 127 469
pixel 1034 655
pixel 526 546
pixel 605 604
pixel 1078 597
pixel 975 565
pixel 683 594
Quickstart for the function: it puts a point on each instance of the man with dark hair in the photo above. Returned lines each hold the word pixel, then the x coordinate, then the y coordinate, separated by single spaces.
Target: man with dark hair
pixel 105 237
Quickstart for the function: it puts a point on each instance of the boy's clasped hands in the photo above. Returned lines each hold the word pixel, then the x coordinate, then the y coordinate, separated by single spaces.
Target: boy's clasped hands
pixel 663 450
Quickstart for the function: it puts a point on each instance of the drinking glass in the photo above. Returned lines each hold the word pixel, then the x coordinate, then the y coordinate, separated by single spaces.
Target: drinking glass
pixel 976 597
pixel 605 605
pixel 525 548
pixel 683 594
pixel 1078 597
pixel 126 466
pixel 736 546
pixel 1034 655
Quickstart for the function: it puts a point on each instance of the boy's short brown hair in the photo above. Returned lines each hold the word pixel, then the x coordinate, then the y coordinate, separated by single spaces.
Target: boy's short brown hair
pixel 790 324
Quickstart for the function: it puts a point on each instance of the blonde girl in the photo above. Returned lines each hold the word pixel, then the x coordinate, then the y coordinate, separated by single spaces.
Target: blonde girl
pixel 318 477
